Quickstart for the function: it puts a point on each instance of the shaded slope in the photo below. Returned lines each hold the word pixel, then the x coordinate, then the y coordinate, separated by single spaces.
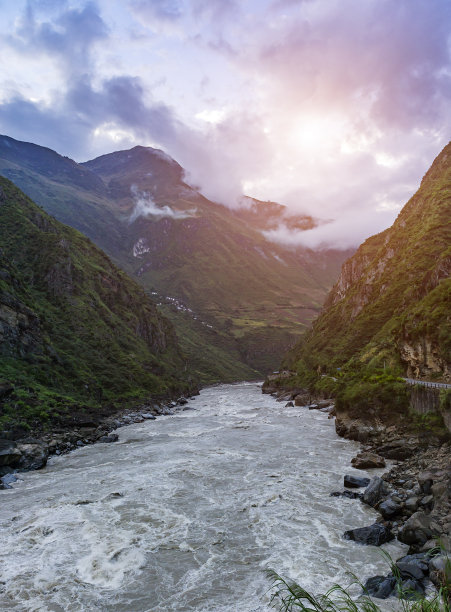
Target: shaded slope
pixel 75 331
pixel 258 297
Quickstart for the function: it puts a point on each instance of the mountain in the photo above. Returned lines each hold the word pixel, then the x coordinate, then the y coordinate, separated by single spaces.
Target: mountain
pixel 236 299
pixel 391 305
pixel 76 334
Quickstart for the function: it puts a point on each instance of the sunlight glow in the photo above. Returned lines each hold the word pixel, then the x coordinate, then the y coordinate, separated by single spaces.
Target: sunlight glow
pixel 315 132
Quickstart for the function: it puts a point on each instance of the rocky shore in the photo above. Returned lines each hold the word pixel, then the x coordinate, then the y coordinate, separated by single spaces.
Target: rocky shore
pixel 31 452
pixel 413 497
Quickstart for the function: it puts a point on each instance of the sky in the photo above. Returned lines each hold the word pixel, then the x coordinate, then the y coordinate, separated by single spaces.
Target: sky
pixel 335 108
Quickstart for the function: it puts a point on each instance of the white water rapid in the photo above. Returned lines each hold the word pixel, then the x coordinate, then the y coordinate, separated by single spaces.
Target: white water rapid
pixel 186 513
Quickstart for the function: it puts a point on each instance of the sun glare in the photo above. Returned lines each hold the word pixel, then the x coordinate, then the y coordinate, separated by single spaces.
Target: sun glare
pixel 314 133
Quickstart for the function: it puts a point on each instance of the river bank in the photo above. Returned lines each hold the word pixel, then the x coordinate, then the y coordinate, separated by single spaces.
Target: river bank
pixel 32 451
pixel 413 496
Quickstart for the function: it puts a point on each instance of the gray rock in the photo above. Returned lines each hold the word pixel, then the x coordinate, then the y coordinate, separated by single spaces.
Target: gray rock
pixel 380 587
pixel 411 504
pixel 411 589
pixel 389 508
pixel 416 530
pixel 375 491
pixel 148 417
pixel 34 456
pixel 10 455
pixel 348 494
pixel 289 405
pixel 412 569
pixel 110 438
pixel 376 534
pixel 355 482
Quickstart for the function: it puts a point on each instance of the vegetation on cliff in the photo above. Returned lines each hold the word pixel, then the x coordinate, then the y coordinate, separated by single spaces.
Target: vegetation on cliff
pixel 249 298
pixel 75 332
pixel 391 305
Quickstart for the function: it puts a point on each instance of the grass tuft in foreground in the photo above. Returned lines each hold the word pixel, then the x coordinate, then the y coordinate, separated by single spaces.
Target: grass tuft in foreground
pixel 289 596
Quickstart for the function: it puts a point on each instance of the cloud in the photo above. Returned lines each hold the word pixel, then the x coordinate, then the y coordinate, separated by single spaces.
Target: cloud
pixel 70 36
pixel 333 110
pixel 145 207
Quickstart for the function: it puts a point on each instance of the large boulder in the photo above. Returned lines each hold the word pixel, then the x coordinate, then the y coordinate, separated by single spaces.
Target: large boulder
pixel 355 482
pixel 364 461
pixel 376 534
pixel 377 490
pixel 416 531
pixel 34 455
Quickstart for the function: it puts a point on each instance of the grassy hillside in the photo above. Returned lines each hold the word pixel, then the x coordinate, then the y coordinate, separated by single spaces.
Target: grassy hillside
pixel 392 303
pixel 258 297
pixel 75 332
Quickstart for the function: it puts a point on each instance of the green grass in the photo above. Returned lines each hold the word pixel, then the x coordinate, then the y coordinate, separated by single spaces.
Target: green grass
pixel 78 333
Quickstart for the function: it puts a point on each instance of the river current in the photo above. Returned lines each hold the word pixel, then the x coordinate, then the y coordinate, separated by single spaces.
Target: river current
pixel 186 513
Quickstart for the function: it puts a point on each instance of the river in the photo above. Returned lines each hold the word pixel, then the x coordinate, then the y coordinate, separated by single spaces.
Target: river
pixel 186 513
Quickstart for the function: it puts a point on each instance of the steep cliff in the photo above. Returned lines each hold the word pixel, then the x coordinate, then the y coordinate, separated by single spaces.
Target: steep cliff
pixel 392 302
pixel 75 331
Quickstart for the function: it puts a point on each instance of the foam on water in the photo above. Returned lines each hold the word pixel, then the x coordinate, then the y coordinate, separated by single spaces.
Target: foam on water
pixel 186 513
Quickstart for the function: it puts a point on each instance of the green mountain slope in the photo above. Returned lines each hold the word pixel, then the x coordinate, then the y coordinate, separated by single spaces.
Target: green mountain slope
pixel 75 332
pixel 243 300
pixel 392 303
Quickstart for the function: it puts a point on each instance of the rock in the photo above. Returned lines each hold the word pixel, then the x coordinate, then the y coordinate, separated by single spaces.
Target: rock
pixel 182 401
pixel 289 405
pixel 375 491
pixel 355 482
pixel 376 534
pixel 389 508
pixel 148 417
pixel 411 504
pixel 440 569
pixel 108 439
pixel 348 494
pixel 80 443
pixel 34 456
pixel 380 587
pixel 364 461
pixel 303 399
pixel 413 568
pixel 10 455
pixel 7 480
pixel 427 502
pixel 416 530
pixel 313 407
pixel 410 589
pixel 399 450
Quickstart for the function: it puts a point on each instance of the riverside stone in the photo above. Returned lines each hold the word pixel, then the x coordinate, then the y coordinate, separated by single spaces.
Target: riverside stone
pixel 376 534
pixel 375 491
pixel 416 530
pixel 365 460
pixel 389 508
pixel 380 587
pixel 355 482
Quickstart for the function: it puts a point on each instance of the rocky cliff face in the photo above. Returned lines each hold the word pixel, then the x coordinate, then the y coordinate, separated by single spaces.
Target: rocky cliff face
pixel 392 300
pixel 74 329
